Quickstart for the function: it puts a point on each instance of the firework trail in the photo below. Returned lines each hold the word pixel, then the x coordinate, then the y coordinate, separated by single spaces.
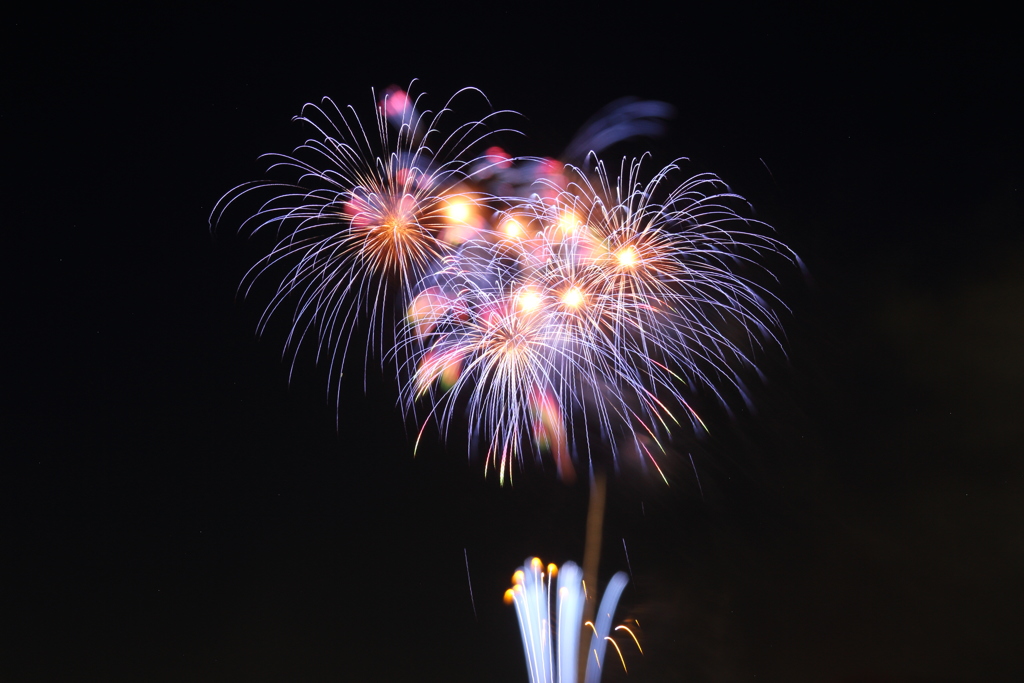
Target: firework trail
pixel 550 624
pixel 555 308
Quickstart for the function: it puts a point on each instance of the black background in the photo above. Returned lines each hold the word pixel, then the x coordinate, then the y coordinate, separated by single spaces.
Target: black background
pixel 174 508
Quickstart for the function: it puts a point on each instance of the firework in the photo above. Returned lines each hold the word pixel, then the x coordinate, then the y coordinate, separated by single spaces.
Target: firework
pixel 370 210
pixel 553 308
pixel 585 310
pixel 550 624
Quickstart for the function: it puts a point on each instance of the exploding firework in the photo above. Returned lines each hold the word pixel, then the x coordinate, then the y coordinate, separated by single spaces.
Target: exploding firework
pixel 550 624
pixel 585 311
pixel 554 308
pixel 370 210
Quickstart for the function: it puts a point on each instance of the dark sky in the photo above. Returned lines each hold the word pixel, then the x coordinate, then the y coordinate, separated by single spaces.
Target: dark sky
pixel 174 509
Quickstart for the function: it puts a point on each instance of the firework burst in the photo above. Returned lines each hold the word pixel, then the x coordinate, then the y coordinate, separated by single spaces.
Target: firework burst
pixel 584 312
pixel 372 208
pixel 555 308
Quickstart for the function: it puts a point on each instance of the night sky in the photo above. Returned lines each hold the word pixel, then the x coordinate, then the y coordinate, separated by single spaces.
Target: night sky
pixel 176 508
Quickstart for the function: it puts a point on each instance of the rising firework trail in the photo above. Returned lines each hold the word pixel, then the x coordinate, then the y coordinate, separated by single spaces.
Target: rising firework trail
pixel 550 621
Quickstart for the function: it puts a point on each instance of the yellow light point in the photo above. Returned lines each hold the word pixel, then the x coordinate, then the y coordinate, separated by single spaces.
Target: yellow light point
pixel 568 222
pixel 627 257
pixel 512 228
pixel 518 577
pixel 458 211
pixel 510 596
pixel 536 565
pixel 529 300
pixel 572 297
pixel 552 570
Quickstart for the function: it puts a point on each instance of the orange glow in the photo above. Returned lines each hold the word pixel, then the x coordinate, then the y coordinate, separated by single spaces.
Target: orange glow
pixel 510 596
pixel 529 300
pixel 572 297
pixel 512 228
pixel 451 373
pixel 568 222
pixel 536 564
pixel 552 570
pixel 616 646
pixel 627 257
pixel 396 225
pixel 518 577
pixel 459 211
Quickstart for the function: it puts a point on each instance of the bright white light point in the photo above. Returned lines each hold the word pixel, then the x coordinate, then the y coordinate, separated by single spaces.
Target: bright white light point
pixel 529 300
pixel 458 211
pixel 572 297
pixel 627 257
pixel 512 228
pixel 568 222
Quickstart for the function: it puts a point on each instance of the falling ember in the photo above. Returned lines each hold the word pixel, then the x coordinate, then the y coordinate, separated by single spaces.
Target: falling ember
pixel 529 300
pixel 568 222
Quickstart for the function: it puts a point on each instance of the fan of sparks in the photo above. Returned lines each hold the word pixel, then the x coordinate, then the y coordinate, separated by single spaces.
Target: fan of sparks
pixel 552 307
pixel 551 637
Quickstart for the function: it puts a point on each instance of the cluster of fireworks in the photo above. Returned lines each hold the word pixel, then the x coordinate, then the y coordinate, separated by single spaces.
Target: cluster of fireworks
pixel 551 638
pixel 552 306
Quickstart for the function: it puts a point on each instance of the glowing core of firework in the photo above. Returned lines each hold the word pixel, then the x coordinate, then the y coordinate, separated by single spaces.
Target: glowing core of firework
pixel 513 228
pixel 572 297
pixel 627 257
